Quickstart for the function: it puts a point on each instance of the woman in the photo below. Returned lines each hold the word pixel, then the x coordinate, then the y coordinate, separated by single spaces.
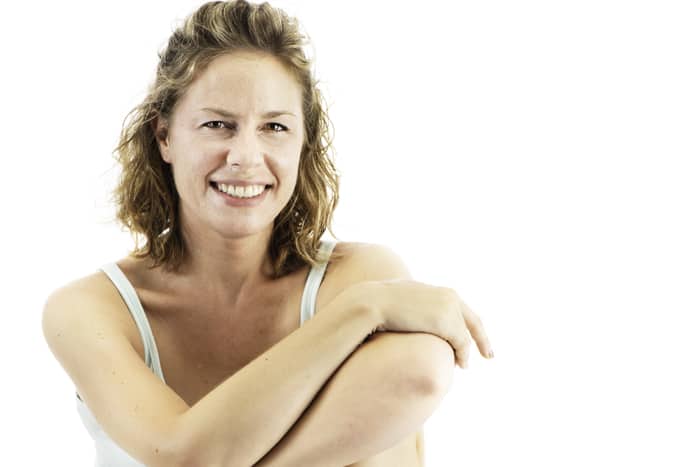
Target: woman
pixel 227 176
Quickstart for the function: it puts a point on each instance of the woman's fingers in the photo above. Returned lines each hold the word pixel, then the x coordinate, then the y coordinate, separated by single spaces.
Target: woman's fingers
pixel 465 352
pixel 477 331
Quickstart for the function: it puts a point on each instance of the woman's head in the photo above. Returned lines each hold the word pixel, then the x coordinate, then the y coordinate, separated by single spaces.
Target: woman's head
pixel 213 47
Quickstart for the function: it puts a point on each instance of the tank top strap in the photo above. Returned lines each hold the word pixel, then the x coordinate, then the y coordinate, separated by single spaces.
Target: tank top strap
pixel 131 299
pixel 313 281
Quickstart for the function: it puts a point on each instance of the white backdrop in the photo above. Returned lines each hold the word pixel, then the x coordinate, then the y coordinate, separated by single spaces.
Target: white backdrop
pixel 542 158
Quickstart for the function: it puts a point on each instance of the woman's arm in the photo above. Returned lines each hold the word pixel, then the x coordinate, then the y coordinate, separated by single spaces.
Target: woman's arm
pixel 237 423
pixel 244 417
pixel 384 392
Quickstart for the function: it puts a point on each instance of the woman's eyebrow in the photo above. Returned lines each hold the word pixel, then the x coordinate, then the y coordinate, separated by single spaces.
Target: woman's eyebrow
pixel 227 114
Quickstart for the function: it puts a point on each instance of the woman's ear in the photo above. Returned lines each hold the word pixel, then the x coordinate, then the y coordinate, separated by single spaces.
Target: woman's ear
pixel 160 130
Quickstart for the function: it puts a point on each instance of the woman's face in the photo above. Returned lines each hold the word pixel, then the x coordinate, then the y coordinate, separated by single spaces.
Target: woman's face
pixel 239 122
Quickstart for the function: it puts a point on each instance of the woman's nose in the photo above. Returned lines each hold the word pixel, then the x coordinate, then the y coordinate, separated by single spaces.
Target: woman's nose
pixel 245 149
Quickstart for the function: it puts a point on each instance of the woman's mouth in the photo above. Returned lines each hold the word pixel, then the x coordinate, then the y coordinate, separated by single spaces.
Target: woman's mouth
pixel 249 195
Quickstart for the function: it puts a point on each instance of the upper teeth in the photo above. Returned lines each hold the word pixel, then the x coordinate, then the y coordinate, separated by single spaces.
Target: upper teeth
pixel 241 191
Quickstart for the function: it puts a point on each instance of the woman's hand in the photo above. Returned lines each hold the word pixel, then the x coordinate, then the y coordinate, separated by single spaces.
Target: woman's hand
pixel 410 306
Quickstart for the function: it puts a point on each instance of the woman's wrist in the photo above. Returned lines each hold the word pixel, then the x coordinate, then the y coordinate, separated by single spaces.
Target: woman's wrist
pixel 360 301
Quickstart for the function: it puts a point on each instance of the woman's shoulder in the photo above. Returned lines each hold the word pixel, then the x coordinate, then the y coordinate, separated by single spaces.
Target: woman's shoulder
pixel 361 262
pixel 92 294
pixel 95 284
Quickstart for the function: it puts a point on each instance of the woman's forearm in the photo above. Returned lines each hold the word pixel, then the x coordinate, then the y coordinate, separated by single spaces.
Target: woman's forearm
pixel 249 413
pixel 374 401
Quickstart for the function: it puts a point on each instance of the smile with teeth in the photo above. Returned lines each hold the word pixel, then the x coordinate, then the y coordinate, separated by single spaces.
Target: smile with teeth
pixel 250 191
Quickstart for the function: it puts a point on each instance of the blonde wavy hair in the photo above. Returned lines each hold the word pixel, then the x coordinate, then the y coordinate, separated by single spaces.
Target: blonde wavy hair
pixel 146 198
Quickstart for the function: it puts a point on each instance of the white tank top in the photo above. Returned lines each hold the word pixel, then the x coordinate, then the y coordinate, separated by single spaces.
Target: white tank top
pixel 110 454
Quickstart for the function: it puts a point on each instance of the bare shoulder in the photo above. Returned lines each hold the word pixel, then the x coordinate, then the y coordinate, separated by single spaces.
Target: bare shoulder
pixel 360 261
pixel 84 327
pixel 94 294
pixel 92 305
pixel 355 262
pixel 66 311
pixel 89 287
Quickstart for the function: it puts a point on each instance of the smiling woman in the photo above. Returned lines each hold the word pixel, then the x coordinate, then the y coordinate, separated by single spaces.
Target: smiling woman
pixel 233 334
pixel 263 153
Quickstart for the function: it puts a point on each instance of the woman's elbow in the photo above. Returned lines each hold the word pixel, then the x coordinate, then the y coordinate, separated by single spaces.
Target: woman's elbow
pixel 430 365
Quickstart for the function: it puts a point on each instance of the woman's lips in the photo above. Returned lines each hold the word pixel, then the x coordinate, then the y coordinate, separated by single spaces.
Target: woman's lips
pixel 242 202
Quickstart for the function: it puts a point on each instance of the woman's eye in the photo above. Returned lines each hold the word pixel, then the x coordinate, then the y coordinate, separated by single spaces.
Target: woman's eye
pixel 220 125
pixel 277 128
pixel 216 125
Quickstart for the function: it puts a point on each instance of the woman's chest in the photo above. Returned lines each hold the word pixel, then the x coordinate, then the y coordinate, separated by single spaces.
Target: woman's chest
pixel 201 344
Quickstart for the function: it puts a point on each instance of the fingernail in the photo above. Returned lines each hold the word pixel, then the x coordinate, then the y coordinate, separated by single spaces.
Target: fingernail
pixel 490 353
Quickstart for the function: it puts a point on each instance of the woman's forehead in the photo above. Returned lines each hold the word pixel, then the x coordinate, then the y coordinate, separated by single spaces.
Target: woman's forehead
pixel 245 79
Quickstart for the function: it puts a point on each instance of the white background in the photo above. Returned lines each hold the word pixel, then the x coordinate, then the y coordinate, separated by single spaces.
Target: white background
pixel 539 157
